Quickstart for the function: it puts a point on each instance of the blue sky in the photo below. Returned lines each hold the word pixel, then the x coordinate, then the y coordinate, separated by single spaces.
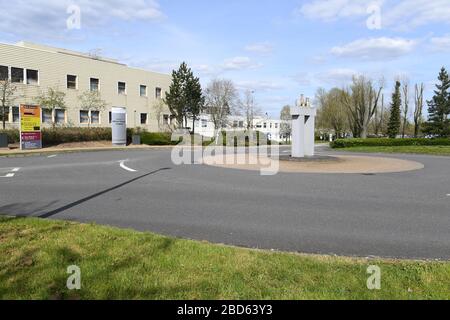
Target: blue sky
pixel 279 49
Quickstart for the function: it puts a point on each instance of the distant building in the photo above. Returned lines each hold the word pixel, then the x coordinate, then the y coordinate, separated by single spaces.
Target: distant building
pixel 270 127
pixel 34 68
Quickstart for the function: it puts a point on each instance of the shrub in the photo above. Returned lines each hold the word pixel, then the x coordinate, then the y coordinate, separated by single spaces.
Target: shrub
pixel 157 138
pixel 383 142
pixel 13 135
pixel 65 135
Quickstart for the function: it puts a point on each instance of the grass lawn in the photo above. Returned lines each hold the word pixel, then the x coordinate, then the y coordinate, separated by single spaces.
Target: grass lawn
pixel 124 264
pixel 433 150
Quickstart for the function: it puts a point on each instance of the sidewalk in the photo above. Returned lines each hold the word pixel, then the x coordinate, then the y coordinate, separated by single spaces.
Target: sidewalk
pixel 69 148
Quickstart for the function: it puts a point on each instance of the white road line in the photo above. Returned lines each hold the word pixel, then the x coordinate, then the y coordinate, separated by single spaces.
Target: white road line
pixel 123 166
pixel 15 170
pixel 9 175
pixel 52 156
pixel 448 195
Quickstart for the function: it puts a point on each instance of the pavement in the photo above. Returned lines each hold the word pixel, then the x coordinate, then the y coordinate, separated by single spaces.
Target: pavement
pixel 392 215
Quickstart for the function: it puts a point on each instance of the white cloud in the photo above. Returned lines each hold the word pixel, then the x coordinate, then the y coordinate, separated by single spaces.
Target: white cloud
pixel 48 17
pixel 336 77
pixel 260 86
pixel 375 48
pixel 396 14
pixel 441 43
pixel 239 63
pixel 329 10
pixel 260 48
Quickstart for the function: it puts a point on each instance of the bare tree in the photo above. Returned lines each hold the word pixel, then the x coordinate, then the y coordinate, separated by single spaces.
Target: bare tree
pixel 159 106
pixel 52 99
pixel 91 101
pixel 361 100
pixel 7 91
pixel 418 99
pixel 379 117
pixel 405 91
pixel 221 99
pixel 248 108
pixel 286 123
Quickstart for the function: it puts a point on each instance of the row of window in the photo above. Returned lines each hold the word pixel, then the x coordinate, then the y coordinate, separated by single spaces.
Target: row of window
pixel 19 75
pixel 86 117
pixel 94 85
pixel 31 77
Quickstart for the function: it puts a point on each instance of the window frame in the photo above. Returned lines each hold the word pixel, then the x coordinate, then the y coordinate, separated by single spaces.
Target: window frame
pixel 156 93
pixel 146 118
pixel 27 77
pixel 7 73
pixel 91 117
pixel 140 91
pixel 90 84
pixel 124 93
pixel 76 82
pixel 23 75
pixel 56 117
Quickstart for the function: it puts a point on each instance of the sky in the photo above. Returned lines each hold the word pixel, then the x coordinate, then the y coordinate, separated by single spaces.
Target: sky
pixel 278 49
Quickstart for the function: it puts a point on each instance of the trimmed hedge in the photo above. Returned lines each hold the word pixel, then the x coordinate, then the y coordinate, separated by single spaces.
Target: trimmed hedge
pixel 157 139
pixel 383 142
pixel 13 135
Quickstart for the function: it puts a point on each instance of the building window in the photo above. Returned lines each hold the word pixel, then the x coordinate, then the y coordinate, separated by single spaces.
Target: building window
pixel 276 125
pixel 60 116
pixel 235 124
pixel 4 73
pixel 46 116
pixel 143 118
pixel 84 116
pixel 143 91
pixel 16 75
pixel 166 119
pixel 265 125
pixel 122 88
pixel 158 93
pixel 15 114
pixel 241 124
pixel 72 82
pixel 110 117
pixel 6 111
pixel 95 117
pixel 94 84
pixel 32 77
pixel 204 123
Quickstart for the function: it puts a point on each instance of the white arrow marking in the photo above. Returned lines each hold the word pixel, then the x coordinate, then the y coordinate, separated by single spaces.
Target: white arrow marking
pixel 123 166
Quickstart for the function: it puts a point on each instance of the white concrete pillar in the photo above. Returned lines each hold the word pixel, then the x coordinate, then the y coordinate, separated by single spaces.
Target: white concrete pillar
pixel 298 129
pixel 303 127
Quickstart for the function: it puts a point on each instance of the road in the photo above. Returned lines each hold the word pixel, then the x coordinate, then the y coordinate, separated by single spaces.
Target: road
pixel 401 215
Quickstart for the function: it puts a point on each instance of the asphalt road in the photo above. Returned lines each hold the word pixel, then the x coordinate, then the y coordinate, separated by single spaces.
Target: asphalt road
pixel 401 215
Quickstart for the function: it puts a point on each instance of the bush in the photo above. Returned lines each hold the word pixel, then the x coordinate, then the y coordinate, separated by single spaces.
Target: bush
pixel 157 138
pixel 383 142
pixel 67 135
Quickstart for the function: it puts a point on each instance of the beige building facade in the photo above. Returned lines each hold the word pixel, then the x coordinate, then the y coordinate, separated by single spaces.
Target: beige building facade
pixel 32 69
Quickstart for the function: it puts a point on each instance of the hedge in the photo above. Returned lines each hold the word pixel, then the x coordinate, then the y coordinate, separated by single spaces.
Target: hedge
pixel 157 139
pixel 383 142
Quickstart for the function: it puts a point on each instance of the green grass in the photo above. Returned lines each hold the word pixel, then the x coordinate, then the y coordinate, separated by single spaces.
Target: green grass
pixel 124 264
pixel 432 150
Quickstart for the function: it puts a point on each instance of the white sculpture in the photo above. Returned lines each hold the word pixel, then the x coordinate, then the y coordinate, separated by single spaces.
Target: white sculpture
pixel 303 127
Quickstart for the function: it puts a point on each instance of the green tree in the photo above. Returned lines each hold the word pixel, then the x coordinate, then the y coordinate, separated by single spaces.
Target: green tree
pixel 52 99
pixel 185 96
pixel 394 120
pixel 439 108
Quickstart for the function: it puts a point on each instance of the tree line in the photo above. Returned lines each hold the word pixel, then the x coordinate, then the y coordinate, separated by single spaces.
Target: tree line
pixel 360 109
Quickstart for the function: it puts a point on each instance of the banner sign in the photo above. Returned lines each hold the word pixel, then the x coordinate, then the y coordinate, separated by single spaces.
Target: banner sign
pixel 30 127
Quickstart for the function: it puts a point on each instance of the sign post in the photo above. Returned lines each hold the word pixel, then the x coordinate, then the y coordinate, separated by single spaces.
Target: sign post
pixel 30 127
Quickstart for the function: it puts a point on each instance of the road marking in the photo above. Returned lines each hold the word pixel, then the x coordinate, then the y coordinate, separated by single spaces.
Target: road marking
pixel 123 166
pixel 448 195
pixel 11 173
pixel 52 156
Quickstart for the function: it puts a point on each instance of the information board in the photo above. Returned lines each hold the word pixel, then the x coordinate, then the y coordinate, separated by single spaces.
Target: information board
pixel 30 127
